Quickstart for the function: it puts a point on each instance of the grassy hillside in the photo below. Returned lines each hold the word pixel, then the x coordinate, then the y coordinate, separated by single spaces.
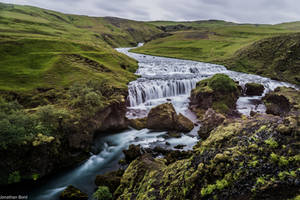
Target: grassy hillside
pixel 276 57
pixel 43 48
pixel 215 42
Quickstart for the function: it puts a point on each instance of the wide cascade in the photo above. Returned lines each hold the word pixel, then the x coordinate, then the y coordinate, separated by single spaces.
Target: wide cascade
pixel 166 79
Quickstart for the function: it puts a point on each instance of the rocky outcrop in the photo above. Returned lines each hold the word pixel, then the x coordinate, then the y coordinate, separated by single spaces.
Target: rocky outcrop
pixel 132 152
pixel 244 159
pixel 72 193
pixel 210 121
pixel 254 89
pixel 282 101
pixel 164 117
pixel 218 92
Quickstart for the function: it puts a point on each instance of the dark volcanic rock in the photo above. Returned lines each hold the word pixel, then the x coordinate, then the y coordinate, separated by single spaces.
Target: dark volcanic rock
pixel 72 193
pixel 254 89
pixel 211 120
pixel 132 152
pixel 281 101
pixel 111 180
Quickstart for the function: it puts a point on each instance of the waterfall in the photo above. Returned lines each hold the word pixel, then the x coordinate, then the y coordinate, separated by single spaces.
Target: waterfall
pixel 164 79
pixel 141 91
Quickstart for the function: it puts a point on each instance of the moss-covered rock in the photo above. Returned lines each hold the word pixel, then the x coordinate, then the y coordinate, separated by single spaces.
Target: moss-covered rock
pixel 282 100
pixel 164 117
pixel 103 193
pixel 72 193
pixel 140 179
pixel 218 92
pixel 254 89
pixel 241 159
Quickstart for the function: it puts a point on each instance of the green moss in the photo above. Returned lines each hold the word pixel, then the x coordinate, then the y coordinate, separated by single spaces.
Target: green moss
pixel 14 177
pixel 102 193
pixel 35 176
pixel 262 128
pixel 222 83
pixel 274 157
pixel 253 163
pixel 220 107
pixel 221 184
pixel 283 161
pixel 260 181
pixel 40 139
pixel 208 190
pixel 271 142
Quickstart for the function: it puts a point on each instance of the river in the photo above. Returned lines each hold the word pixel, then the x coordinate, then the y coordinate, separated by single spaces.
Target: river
pixel 161 80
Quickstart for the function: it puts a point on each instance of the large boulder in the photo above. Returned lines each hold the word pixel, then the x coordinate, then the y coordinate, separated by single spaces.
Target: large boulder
pixel 184 124
pixel 164 117
pixel 254 89
pixel 73 193
pixel 218 92
pixel 211 120
pixel 282 100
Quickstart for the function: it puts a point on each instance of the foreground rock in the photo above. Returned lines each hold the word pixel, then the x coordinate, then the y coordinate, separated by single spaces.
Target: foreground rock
pixel 282 101
pixel 211 120
pixel 253 158
pixel 254 89
pixel 218 92
pixel 72 193
pixel 164 117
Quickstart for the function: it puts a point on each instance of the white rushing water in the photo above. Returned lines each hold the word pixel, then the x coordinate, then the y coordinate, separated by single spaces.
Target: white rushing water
pixel 161 80
pixel 168 79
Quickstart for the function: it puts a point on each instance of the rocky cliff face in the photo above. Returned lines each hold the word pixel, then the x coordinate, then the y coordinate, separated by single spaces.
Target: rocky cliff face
pixel 47 154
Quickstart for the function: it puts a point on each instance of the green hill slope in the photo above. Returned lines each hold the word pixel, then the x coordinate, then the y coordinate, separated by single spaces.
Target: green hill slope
pixel 39 48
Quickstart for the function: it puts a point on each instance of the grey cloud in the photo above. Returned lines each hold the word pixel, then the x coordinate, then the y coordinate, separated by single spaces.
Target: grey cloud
pixel 254 11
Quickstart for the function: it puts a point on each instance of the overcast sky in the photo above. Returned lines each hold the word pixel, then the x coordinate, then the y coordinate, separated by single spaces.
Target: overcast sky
pixel 243 11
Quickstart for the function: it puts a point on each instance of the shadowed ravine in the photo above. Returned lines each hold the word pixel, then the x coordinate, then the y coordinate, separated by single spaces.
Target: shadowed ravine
pixel 161 80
